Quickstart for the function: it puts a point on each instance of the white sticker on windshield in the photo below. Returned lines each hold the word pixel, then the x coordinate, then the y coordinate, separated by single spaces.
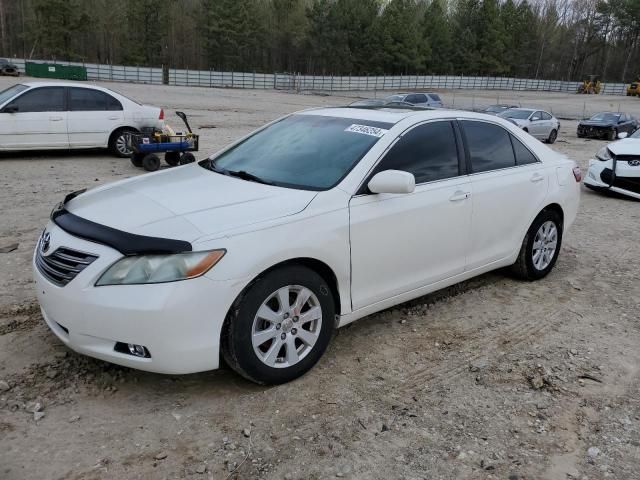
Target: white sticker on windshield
pixel 366 130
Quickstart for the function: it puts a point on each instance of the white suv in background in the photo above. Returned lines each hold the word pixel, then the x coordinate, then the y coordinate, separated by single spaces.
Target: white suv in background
pixel 426 99
pixel 64 115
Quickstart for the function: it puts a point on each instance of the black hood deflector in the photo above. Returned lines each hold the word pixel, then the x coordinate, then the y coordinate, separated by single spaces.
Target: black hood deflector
pixel 126 243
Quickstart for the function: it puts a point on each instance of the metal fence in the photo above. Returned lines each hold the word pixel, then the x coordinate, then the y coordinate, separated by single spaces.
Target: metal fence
pixel 321 83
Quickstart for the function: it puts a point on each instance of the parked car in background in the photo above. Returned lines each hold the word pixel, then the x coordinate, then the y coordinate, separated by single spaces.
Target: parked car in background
pixel 8 68
pixel 538 123
pixel 427 99
pixel 607 125
pixel 497 109
pixel 65 115
pixel 379 102
pixel 616 167
pixel 316 220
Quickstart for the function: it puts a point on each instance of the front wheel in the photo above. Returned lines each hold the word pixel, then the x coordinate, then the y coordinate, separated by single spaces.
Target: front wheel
pixel 612 135
pixel 540 247
pixel 280 327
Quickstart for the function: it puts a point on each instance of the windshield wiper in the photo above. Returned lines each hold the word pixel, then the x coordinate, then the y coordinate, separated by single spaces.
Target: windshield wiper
pixel 247 176
pixel 243 174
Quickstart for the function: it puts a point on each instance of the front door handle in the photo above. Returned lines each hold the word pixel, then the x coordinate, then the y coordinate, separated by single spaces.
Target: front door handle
pixel 459 195
pixel 56 119
pixel 115 117
pixel 536 177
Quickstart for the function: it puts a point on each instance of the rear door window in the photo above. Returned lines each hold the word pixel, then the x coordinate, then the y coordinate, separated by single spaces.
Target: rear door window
pixel 435 97
pixel 44 99
pixel 420 98
pixel 87 100
pixel 489 146
pixel 545 116
pixel 427 151
pixel 523 154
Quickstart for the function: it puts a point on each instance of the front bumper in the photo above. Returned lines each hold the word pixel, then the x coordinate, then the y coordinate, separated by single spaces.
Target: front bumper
pixel 178 322
pixel 627 180
pixel 589 131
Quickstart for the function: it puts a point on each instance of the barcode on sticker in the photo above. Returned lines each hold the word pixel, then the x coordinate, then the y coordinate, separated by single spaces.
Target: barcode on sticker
pixel 366 130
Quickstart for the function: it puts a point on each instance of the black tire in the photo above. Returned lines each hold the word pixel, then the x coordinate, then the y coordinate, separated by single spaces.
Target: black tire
pixel 136 159
pixel 187 157
pixel 612 135
pixel 116 140
pixel 172 158
pixel 236 341
pixel 151 162
pixel 553 135
pixel 525 129
pixel 524 267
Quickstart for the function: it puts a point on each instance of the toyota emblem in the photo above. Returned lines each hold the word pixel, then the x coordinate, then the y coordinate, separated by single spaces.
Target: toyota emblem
pixel 46 241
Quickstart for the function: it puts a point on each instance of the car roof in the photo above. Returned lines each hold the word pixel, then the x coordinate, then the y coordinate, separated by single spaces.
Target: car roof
pixel 394 115
pixel 64 84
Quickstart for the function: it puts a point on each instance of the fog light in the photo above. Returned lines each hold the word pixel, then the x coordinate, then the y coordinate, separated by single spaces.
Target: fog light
pixel 137 350
pixel 132 349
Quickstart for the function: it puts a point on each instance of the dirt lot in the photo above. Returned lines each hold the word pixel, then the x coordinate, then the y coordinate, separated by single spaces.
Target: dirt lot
pixel 493 378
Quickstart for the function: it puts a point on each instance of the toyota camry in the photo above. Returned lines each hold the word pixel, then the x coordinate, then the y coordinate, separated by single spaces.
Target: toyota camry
pixel 258 253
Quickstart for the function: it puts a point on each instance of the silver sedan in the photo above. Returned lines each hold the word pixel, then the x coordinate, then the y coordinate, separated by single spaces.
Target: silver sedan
pixel 538 123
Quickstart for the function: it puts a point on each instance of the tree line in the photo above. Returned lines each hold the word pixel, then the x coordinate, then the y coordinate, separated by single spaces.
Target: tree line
pixel 546 39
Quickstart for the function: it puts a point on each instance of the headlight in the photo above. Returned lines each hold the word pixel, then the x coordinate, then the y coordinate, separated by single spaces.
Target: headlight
pixel 604 154
pixel 159 268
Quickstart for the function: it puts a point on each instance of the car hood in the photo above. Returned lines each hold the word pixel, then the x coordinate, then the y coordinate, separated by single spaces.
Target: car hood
pixel 186 203
pixel 517 121
pixel 626 146
pixel 596 123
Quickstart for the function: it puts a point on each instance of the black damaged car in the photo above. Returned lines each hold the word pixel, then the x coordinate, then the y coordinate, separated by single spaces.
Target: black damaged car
pixel 607 125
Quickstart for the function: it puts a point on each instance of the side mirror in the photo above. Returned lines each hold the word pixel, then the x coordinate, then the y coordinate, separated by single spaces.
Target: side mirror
pixel 622 135
pixel 392 181
pixel 535 119
pixel 10 109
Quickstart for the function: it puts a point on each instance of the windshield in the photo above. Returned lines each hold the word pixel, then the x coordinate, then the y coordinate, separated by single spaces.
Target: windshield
pixel 495 109
pixel 311 152
pixel 635 134
pixel 395 98
pixel 11 92
pixel 516 113
pixel 606 117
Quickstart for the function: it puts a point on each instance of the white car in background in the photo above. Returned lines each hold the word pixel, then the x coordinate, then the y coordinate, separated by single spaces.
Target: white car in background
pixel 313 221
pixel 617 167
pixel 538 123
pixel 65 115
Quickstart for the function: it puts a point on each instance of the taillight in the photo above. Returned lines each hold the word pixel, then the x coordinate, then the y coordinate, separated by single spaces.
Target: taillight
pixel 577 174
pixel 161 117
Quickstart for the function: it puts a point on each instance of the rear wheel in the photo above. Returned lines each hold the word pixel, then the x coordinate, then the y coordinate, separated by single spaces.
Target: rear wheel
pixel 151 162
pixel 540 247
pixel 136 159
pixel 118 142
pixel 552 136
pixel 187 157
pixel 280 327
pixel 172 158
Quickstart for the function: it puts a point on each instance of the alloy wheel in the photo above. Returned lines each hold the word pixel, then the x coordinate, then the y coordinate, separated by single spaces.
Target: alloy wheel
pixel 286 326
pixel 544 245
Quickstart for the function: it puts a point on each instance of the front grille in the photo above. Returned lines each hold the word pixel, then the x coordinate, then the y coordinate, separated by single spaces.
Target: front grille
pixel 63 265
pixel 631 184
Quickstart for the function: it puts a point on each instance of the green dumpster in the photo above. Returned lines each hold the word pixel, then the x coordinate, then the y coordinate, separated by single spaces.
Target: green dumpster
pixel 54 70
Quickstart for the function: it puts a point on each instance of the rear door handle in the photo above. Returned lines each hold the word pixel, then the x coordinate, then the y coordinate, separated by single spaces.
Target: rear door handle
pixel 115 117
pixel 536 177
pixel 56 119
pixel 459 195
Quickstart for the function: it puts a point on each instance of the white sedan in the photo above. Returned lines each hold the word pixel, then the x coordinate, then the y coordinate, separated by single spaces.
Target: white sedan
pixel 64 115
pixel 538 123
pixel 318 219
pixel 616 167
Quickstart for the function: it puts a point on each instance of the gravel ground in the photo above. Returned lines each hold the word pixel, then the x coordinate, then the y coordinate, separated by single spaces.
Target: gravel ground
pixel 492 378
